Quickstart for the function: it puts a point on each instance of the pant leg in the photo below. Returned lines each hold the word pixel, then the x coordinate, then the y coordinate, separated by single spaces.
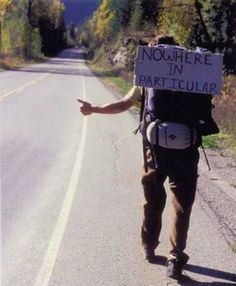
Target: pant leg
pixel 154 203
pixel 183 182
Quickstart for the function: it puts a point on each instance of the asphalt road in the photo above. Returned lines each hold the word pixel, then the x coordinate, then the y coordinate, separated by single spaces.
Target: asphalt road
pixel 71 194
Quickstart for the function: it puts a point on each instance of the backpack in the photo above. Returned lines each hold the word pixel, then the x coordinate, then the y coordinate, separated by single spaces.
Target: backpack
pixel 191 109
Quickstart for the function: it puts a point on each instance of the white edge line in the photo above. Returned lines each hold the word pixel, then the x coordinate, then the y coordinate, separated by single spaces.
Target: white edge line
pixel 44 275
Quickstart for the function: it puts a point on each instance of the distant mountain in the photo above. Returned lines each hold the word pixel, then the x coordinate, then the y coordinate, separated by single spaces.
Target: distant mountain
pixel 77 11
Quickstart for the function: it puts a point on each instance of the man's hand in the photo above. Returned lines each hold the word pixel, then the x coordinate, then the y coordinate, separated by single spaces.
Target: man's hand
pixel 86 108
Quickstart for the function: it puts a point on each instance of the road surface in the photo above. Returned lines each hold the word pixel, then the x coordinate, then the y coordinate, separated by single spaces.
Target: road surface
pixel 71 194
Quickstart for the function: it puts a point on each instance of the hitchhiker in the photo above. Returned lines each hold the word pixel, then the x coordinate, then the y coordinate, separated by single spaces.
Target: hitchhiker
pixel 177 117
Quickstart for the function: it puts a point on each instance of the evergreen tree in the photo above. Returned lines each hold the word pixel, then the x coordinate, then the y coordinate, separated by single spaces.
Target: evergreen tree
pixel 151 10
pixel 126 12
pixel 51 25
pixel 136 20
pixel 216 28
pixel 178 18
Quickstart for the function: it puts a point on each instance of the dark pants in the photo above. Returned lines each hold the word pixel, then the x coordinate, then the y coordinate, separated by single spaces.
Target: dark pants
pixel 181 168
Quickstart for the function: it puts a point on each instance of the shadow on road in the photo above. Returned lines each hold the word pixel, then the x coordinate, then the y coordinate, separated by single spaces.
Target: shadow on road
pixel 159 260
pixel 65 70
pixel 72 54
pixel 67 62
pixel 187 281
pixel 212 273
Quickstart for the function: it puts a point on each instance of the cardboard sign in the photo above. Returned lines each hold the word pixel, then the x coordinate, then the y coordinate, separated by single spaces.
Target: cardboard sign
pixel 176 68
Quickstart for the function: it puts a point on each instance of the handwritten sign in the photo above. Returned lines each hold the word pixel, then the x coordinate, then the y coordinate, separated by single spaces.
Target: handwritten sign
pixel 176 68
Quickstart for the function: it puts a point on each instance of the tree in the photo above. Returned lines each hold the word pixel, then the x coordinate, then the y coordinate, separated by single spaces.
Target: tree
pixel 216 28
pixel 4 6
pixel 126 11
pixel 151 10
pixel 136 20
pixel 16 31
pixel 106 20
pixel 32 26
pixel 178 18
pixel 52 27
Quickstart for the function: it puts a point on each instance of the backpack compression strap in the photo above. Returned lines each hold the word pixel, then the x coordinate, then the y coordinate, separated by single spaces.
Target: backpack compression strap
pixel 141 117
pixel 143 101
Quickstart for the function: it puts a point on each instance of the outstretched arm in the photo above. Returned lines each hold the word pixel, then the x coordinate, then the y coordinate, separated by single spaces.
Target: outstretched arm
pixel 112 108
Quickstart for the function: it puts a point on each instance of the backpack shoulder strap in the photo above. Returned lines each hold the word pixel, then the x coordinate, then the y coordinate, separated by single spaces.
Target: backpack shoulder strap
pixel 142 104
pixel 141 113
pixel 141 118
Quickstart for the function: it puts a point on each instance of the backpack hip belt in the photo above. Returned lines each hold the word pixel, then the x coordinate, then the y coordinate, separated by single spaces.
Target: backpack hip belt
pixel 171 135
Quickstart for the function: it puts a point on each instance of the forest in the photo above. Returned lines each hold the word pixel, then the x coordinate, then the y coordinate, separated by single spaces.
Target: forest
pixel 31 28
pixel 209 24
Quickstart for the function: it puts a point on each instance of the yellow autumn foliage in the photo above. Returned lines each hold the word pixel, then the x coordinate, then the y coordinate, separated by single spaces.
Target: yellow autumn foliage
pixel 4 4
pixel 178 19
pixel 56 10
pixel 104 18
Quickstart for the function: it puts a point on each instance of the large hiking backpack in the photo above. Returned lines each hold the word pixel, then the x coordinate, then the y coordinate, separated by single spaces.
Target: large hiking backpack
pixel 193 110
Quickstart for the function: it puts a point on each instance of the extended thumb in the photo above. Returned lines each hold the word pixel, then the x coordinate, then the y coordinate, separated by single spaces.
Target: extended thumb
pixel 81 101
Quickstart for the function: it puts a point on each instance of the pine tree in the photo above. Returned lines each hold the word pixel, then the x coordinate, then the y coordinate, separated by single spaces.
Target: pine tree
pixel 136 20
pixel 151 10
pixel 126 11
pixel 216 28
pixel 177 18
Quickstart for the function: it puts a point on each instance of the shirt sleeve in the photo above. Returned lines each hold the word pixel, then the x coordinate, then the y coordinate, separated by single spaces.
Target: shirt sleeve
pixel 134 94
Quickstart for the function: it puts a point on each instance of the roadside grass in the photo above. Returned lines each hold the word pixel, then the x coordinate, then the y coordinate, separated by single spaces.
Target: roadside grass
pixel 233 185
pixel 211 141
pixel 232 248
pixel 7 63
pixel 223 142
pixel 121 84
pixel 225 113
pixel 112 77
pixel 3 66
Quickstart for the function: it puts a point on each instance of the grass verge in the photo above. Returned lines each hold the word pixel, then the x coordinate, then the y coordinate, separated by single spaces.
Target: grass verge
pixel 233 185
pixel 232 248
pixel 11 63
pixel 211 141
pixel 8 63
pixel 112 77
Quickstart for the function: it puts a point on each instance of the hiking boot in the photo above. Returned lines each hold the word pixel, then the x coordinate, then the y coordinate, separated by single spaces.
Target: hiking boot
pixel 149 254
pixel 175 266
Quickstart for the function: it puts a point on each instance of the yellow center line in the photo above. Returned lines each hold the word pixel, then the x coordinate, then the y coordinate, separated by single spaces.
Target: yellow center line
pixel 21 88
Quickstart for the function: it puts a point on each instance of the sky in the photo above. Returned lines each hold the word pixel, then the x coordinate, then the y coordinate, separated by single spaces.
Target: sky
pixel 78 11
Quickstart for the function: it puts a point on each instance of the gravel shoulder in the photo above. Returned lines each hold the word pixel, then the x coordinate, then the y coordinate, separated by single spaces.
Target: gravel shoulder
pixel 217 192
